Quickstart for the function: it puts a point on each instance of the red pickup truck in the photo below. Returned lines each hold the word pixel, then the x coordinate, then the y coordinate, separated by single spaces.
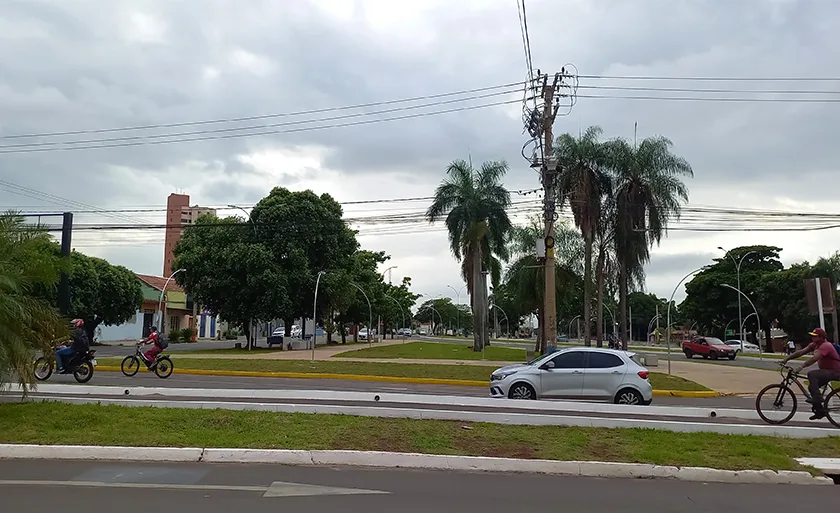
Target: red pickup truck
pixel 708 347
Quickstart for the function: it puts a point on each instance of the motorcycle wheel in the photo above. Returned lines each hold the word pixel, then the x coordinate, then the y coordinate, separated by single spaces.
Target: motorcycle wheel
pixel 83 372
pixel 43 368
pixel 164 367
pixel 130 365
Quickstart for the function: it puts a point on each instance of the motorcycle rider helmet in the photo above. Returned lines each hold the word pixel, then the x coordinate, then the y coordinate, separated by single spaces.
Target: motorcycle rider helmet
pixel 77 323
pixel 153 329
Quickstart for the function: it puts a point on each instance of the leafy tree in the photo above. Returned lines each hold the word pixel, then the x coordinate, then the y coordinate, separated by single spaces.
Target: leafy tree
pixel 396 305
pixel 474 203
pixel 645 308
pixel 304 233
pixel 28 323
pixel 649 191
pixel 441 313
pixel 230 274
pixel 582 182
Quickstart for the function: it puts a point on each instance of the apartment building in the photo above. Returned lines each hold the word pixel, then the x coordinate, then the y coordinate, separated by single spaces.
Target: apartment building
pixel 179 213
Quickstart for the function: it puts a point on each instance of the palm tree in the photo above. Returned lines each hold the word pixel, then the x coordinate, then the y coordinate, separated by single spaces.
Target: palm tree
pixel 649 192
pixel 582 181
pixel 475 204
pixel 28 323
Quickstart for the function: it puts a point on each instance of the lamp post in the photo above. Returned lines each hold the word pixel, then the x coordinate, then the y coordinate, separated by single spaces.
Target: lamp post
pixel 458 305
pixel 727 326
pixel 738 284
pixel 495 306
pixel 402 313
pixel 252 340
pixel 570 325
pixel 370 312
pixel 315 314
pixel 160 302
pixel 671 300
pixel 389 276
pixel 650 324
pixel 757 319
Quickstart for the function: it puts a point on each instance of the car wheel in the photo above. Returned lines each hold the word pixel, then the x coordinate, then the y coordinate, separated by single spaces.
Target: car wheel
pixel 522 391
pixel 688 354
pixel 629 396
pixel 713 355
pixel 732 356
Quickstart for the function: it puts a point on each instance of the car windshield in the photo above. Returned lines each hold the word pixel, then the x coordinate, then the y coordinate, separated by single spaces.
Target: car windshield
pixel 714 341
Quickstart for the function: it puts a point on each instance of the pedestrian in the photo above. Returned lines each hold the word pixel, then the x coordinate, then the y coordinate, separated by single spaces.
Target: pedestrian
pixel 791 347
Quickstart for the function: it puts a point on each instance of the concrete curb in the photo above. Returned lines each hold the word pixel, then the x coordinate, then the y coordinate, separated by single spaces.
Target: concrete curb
pixel 408 460
pixel 383 379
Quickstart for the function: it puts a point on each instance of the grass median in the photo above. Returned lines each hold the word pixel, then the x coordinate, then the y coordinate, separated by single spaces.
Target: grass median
pixel 53 423
pixel 436 351
pixel 398 370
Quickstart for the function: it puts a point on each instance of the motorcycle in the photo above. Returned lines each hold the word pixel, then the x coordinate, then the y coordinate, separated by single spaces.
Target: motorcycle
pixel 80 365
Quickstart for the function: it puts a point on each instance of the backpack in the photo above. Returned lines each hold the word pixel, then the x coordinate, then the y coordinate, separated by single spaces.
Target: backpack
pixel 162 341
pixel 836 348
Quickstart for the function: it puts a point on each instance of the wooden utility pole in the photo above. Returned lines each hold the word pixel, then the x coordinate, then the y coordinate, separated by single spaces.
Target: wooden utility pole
pixel 549 172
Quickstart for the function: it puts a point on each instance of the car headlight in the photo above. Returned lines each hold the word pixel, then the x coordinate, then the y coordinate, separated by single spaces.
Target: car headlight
pixel 502 375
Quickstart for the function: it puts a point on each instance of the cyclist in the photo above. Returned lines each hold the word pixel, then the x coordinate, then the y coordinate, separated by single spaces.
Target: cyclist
pixel 153 338
pixel 829 368
pixel 80 345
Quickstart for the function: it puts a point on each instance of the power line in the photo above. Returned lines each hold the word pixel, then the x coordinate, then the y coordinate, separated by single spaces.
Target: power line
pixel 715 91
pixel 254 127
pixel 261 116
pixel 713 99
pixel 263 133
pixel 714 79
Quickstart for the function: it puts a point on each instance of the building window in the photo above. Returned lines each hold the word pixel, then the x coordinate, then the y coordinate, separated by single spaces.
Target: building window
pixel 174 323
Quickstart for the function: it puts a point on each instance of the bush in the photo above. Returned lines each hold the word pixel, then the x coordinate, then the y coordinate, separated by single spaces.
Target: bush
pixel 231 334
pixel 186 334
pixel 174 336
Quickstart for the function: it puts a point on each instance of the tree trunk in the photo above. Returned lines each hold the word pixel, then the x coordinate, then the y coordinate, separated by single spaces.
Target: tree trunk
pixel 90 328
pixel 287 327
pixel 587 289
pixel 622 302
pixel 343 329
pixel 600 278
pixel 477 299
pixel 540 332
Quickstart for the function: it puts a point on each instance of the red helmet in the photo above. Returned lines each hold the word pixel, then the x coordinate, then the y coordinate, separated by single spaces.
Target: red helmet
pixel 77 323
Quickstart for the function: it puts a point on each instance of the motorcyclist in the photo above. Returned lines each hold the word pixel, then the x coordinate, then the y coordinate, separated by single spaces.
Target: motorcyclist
pixel 153 338
pixel 80 345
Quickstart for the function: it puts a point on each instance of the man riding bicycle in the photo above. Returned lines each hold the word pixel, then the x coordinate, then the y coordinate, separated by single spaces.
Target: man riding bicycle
pixel 80 345
pixel 829 368
pixel 151 354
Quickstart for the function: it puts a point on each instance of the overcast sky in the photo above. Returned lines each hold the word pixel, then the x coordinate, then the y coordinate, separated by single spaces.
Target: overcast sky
pixel 68 65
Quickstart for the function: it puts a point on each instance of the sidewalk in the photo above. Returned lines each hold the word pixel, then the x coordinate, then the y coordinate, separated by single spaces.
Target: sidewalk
pixel 321 353
pixel 727 379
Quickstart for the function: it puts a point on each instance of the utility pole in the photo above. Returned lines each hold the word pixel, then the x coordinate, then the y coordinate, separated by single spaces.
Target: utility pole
pixel 549 167
pixel 66 248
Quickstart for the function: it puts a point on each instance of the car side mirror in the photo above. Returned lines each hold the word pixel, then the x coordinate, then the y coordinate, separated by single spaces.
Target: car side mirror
pixel 548 365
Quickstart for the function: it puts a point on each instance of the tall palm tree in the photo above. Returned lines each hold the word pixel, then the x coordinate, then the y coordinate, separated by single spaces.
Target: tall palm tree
pixel 582 181
pixel 28 323
pixel 475 204
pixel 649 192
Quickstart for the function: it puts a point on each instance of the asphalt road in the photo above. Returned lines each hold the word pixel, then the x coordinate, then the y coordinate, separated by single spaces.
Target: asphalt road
pixel 94 487
pixel 146 379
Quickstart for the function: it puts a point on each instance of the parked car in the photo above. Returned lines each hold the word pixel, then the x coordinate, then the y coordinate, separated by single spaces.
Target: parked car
pixel 363 334
pixel 405 332
pixel 749 347
pixel 576 373
pixel 708 347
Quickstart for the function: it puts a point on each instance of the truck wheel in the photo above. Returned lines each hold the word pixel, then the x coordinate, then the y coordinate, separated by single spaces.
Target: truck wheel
pixel 713 355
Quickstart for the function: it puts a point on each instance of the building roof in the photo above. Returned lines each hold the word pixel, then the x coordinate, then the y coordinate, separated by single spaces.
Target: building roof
pixel 157 282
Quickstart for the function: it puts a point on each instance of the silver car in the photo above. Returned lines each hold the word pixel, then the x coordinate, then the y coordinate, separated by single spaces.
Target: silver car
pixel 576 373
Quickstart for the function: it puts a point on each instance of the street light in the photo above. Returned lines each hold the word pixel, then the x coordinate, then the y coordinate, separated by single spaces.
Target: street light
pixel 160 302
pixel 402 312
pixel 757 319
pixel 254 331
pixel 315 315
pixel 650 324
pixel 738 277
pixel 385 271
pixel 570 326
pixel 370 312
pixel 495 306
pixel 458 304
pixel 671 300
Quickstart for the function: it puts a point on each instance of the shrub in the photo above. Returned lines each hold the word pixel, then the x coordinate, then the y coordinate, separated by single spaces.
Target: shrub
pixel 186 334
pixel 174 336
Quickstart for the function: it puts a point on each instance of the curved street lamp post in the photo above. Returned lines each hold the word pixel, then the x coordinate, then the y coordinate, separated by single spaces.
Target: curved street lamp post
pixel 757 320
pixel 162 292
pixel 671 300
pixel 314 315
pixel 370 312
pixel 402 313
pixel 738 284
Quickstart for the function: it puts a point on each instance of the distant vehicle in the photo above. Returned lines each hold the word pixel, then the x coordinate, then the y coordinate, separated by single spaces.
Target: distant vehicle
pixel 423 331
pixel 405 332
pixel 576 373
pixel 279 332
pixel 708 347
pixel 749 347
pixel 296 331
pixel 363 334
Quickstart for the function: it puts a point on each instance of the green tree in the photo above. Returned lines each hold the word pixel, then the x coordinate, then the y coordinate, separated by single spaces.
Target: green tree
pixel 397 302
pixel 28 322
pixel 645 307
pixel 474 203
pixel 304 234
pixel 230 274
pixel 649 192
pixel 441 313
pixel 582 182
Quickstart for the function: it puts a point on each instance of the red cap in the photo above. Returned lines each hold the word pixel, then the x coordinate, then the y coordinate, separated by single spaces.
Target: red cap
pixel 818 332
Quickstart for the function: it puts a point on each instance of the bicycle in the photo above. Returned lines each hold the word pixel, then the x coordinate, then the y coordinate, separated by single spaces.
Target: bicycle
pixel 162 366
pixel 784 394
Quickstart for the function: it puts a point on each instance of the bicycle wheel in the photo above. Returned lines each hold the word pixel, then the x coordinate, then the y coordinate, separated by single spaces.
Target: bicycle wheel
pixel 43 368
pixel 164 367
pixel 777 399
pixel 832 407
pixel 130 365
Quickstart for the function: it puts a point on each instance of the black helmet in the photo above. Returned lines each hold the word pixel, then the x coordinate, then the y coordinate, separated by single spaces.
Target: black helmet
pixel 153 329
